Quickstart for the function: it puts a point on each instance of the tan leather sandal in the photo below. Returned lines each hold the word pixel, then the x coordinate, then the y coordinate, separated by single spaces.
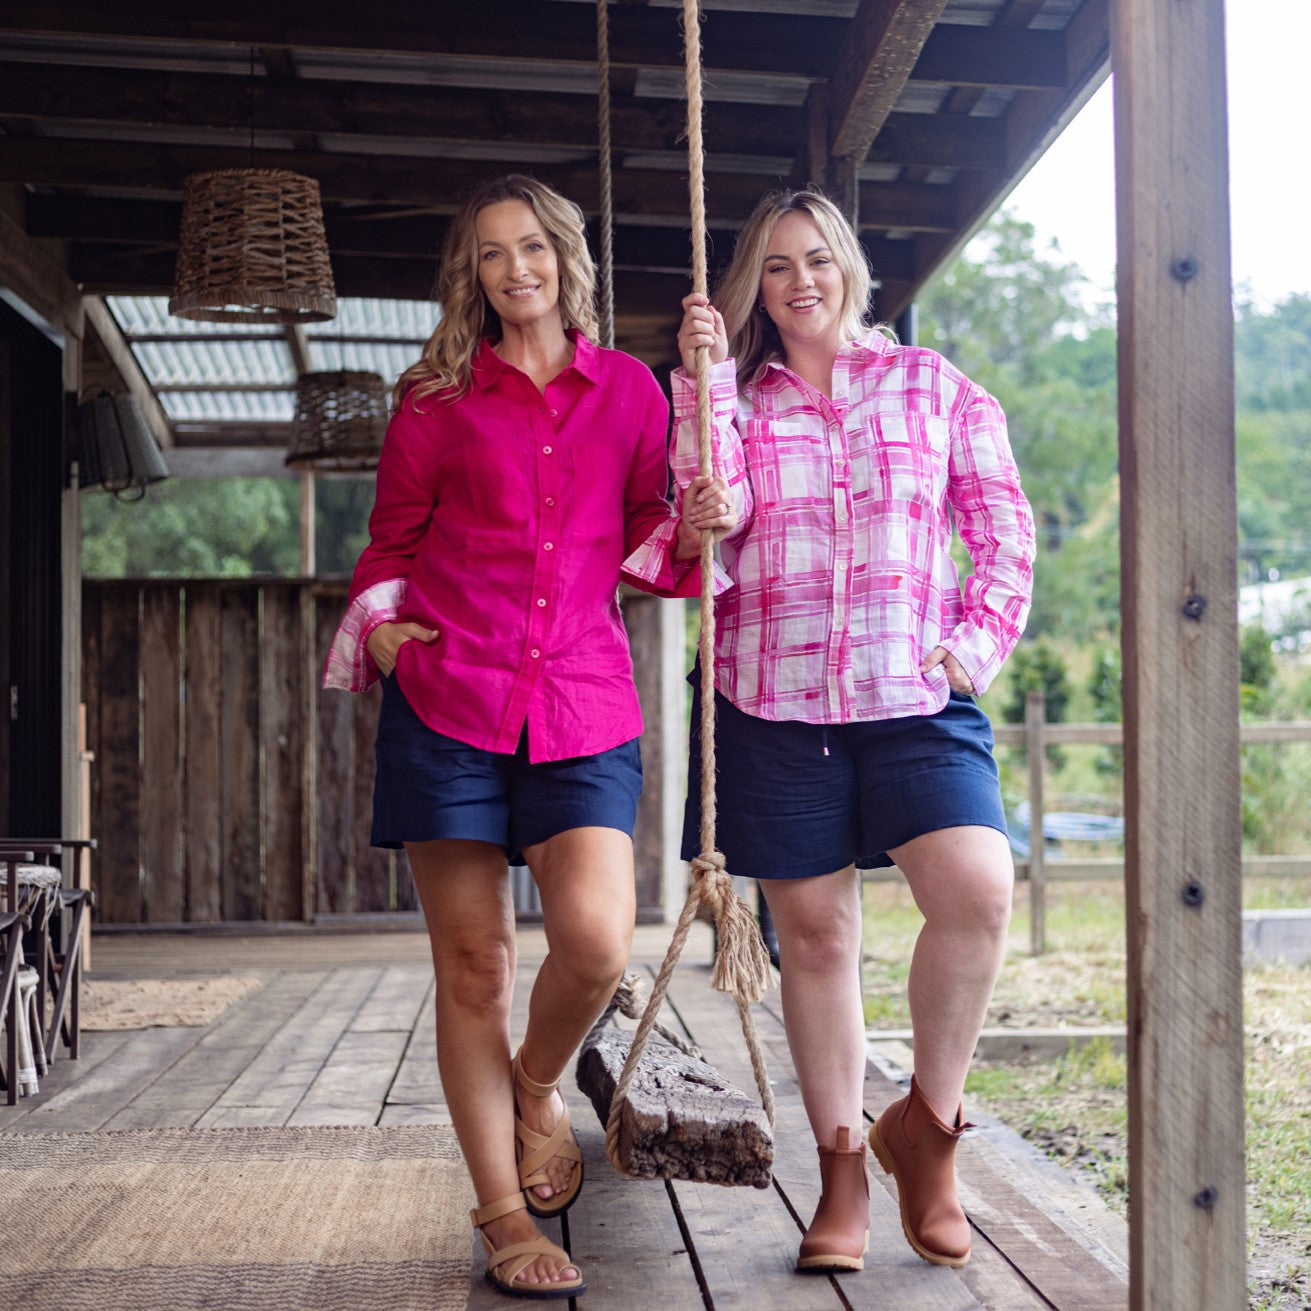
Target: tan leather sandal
pixel 533 1150
pixel 506 1264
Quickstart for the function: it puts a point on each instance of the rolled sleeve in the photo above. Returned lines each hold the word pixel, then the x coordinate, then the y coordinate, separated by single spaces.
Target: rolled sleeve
pixel 349 667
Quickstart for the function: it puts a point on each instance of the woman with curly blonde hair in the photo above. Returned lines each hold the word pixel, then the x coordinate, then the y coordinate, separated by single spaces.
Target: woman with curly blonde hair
pixel 848 655
pixel 522 476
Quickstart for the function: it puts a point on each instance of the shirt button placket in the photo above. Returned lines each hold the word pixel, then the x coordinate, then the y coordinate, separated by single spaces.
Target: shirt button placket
pixel 549 529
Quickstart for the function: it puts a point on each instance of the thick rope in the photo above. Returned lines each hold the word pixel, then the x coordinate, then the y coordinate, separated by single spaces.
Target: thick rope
pixel 741 960
pixel 607 184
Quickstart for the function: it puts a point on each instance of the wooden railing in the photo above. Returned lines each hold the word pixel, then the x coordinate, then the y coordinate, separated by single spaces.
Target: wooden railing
pixel 1035 735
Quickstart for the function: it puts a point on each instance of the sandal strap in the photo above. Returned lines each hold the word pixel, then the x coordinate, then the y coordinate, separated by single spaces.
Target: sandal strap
pixel 519 1256
pixel 481 1215
pixel 539 1149
pixel 527 1082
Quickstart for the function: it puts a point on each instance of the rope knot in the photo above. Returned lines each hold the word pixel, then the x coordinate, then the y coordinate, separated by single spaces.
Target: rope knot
pixel 708 863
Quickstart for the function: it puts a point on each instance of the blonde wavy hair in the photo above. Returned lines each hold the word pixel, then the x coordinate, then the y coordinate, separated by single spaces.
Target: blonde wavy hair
pixel 753 339
pixel 446 362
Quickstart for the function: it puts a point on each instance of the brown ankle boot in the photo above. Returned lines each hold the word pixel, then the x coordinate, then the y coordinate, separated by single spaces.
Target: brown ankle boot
pixel 838 1237
pixel 919 1152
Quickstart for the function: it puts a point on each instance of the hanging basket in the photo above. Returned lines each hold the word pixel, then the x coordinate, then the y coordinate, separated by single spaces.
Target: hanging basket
pixel 340 420
pixel 252 249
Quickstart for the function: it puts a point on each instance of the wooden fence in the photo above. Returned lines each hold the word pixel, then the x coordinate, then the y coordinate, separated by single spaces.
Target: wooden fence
pixel 1035 735
pixel 228 787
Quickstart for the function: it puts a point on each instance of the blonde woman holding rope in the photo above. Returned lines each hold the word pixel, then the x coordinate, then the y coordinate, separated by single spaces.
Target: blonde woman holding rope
pixel 523 474
pixel 847 660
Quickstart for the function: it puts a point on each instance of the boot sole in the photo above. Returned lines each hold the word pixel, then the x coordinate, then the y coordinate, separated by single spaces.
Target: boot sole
pixel 889 1167
pixel 819 1264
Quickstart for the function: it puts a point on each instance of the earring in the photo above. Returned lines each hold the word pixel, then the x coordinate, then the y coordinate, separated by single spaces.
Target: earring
pixel 760 309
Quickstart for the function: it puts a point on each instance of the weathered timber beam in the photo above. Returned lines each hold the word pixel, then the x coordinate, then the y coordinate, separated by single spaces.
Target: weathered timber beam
pixel 145 222
pixel 931 141
pixel 652 194
pixel 681 1119
pixel 390 179
pixel 120 353
pixel 882 46
pixel 798 44
pixel 215 100
pixel 36 273
pixel 992 56
pixel 108 270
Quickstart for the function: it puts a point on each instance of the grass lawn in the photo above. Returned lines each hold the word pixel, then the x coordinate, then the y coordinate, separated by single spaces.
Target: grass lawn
pixel 1074 1107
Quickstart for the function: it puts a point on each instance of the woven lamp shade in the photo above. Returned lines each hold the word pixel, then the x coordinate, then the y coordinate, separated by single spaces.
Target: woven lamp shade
pixel 252 249
pixel 340 420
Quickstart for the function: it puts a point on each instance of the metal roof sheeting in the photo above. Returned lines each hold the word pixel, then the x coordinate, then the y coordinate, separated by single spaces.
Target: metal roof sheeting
pixel 215 373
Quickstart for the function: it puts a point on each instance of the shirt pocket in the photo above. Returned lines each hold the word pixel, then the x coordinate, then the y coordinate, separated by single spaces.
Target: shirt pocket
pixel 908 457
pixel 789 461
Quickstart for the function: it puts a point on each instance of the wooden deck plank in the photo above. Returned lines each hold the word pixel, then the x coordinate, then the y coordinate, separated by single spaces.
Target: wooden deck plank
pixel 894 1275
pixel 96 1047
pixel 351 1086
pixel 274 1083
pixel 416 1082
pixel 397 1000
pixel 190 1087
pixel 327 1042
pixel 92 1100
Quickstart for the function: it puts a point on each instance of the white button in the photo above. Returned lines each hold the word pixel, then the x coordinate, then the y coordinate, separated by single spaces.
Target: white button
pixel 535 653
pixel 541 600
pixel 842 564
pixel 842 514
pixel 548 546
pixel 546 450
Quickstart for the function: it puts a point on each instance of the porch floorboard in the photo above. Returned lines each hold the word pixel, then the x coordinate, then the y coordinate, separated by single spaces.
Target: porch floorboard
pixel 340 1032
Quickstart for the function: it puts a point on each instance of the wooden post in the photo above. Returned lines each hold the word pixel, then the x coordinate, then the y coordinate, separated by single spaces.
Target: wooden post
pixel 1035 712
pixel 1180 643
pixel 308 560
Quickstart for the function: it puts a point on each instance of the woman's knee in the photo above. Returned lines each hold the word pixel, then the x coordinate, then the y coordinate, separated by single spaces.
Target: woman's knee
pixel 593 948
pixel 476 976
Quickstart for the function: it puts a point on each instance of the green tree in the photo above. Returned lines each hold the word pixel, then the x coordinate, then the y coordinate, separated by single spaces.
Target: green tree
pixel 1014 319
pixel 194 528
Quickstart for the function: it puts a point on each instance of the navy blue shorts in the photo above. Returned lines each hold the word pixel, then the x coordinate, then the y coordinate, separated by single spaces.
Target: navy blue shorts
pixel 430 786
pixel 785 809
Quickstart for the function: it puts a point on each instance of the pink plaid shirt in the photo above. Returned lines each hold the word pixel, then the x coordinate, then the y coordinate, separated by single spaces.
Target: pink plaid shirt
pixel 841 561
pixel 504 521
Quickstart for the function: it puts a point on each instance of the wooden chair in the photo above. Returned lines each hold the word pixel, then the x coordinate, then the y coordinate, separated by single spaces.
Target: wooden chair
pixel 13 924
pixel 34 887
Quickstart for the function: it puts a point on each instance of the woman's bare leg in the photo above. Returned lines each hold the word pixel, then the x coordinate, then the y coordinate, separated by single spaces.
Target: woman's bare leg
pixel 818 922
pixel 589 904
pixel 465 892
pixel 961 879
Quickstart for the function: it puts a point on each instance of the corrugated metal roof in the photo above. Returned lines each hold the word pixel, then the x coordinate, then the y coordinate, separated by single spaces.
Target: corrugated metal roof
pixel 214 373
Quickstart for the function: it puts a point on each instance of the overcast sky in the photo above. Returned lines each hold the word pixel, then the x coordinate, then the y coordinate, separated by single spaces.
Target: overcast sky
pixel 1070 193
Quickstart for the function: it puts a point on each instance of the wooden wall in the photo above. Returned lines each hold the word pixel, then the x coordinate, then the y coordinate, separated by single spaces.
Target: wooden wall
pixel 227 786
pixel 208 797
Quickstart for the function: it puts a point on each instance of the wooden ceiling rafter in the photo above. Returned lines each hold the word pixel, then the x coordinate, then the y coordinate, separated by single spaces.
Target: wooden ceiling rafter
pixel 927 108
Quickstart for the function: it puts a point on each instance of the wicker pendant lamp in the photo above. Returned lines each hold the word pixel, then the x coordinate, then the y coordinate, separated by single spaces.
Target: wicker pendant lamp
pixel 252 249
pixel 341 416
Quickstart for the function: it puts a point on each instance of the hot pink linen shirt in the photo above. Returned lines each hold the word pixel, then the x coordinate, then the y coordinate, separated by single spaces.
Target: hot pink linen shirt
pixel 841 561
pixel 504 520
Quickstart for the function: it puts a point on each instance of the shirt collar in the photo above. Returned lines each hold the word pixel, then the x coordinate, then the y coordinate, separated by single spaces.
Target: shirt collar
pixel 488 366
pixel 873 343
